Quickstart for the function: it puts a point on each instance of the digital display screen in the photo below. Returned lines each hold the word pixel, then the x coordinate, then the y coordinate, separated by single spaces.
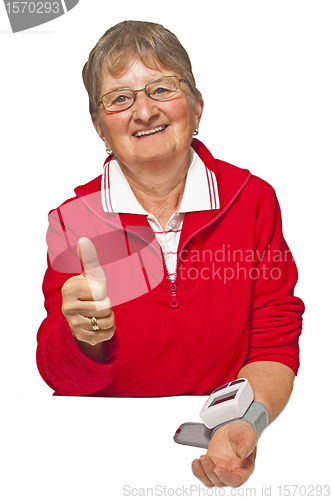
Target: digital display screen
pixel 224 397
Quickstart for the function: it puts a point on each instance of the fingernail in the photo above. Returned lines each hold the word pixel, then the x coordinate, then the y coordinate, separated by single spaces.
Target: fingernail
pixel 196 465
pixel 217 471
pixel 203 461
pixel 243 453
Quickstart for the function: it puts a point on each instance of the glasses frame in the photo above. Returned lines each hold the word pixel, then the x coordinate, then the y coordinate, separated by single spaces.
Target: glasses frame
pixel 143 89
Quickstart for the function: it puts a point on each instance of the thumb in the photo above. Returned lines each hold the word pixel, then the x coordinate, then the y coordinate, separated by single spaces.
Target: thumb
pixel 243 438
pixel 89 258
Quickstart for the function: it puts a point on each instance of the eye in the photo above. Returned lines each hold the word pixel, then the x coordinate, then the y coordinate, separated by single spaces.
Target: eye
pixel 163 88
pixel 121 99
pixel 160 91
pixel 117 100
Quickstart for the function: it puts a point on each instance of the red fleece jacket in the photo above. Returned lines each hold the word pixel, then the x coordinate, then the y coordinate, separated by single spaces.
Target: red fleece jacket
pixel 233 291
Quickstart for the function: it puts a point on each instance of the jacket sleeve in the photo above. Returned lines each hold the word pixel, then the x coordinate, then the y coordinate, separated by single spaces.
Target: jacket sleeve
pixel 61 363
pixel 275 319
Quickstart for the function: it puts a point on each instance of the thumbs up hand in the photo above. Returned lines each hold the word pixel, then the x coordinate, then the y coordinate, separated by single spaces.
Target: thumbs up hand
pixel 85 304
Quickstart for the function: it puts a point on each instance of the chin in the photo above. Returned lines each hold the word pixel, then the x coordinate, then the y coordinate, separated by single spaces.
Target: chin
pixel 156 153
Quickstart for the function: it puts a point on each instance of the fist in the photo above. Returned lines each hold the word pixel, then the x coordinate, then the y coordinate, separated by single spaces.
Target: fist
pixel 84 297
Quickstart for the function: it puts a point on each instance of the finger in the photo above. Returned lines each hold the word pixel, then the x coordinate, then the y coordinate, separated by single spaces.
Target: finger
pixel 105 323
pixel 89 258
pixel 92 269
pixel 90 308
pixel 198 472
pixel 78 321
pixel 87 309
pixel 229 478
pixel 208 467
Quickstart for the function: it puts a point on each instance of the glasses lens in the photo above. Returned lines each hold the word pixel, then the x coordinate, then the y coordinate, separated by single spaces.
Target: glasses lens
pixel 163 88
pixel 118 100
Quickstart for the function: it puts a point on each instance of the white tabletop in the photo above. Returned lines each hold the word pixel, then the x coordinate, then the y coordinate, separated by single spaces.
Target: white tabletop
pixel 76 448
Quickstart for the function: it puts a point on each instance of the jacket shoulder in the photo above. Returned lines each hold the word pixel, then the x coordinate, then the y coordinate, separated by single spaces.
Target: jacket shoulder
pixel 256 185
pixel 90 187
pixel 227 170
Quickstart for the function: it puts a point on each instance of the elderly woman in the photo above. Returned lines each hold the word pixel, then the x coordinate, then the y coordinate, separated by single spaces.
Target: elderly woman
pixel 193 267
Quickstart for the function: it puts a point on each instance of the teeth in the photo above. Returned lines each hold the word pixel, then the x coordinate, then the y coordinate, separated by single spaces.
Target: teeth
pixel 149 132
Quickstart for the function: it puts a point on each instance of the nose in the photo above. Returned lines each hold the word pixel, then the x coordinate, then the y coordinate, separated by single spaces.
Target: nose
pixel 144 107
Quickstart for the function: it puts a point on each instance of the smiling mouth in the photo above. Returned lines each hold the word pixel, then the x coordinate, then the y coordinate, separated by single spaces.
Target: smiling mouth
pixel 143 133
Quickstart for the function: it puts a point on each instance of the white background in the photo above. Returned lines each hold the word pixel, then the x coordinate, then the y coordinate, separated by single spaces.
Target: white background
pixel 264 69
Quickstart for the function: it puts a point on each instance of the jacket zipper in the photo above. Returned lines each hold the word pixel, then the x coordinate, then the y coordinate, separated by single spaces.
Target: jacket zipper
pixel 173 283
pixel 174 300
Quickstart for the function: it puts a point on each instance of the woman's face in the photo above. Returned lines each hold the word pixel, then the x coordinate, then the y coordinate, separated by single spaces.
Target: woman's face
pixel 177 115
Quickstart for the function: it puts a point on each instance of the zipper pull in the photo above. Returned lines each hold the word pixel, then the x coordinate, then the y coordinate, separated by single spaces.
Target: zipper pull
pixel 174 299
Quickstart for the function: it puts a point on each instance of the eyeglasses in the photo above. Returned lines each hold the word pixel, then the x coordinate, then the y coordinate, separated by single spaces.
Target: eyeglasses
pixel 159 90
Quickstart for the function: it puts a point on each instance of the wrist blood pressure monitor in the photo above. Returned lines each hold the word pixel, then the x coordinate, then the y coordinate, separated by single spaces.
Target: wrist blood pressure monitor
pixel 231 401
pixel 228 402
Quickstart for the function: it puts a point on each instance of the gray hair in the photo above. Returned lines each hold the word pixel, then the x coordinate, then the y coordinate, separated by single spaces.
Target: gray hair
pixel 128 41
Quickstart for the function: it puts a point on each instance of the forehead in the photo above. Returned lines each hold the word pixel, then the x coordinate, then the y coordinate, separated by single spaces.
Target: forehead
pixel 136 76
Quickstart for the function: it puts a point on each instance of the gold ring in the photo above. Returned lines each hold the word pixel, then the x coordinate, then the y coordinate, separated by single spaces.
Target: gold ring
pixel 94 324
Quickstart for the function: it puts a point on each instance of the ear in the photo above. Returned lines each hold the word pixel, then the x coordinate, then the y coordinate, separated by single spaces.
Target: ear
pixel 198 110
pixel 97 126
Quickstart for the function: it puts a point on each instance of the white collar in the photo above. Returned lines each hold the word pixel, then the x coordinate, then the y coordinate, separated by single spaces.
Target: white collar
pixel 200 192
